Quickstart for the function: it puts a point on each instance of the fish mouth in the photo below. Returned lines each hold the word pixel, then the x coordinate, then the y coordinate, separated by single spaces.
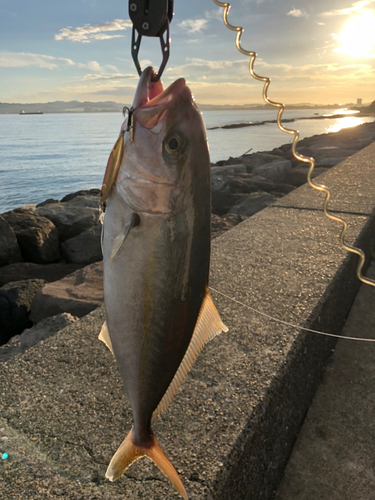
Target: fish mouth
pixel 151 94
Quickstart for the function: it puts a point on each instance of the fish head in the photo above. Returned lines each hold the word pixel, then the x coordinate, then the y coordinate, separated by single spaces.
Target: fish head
pixel 166 151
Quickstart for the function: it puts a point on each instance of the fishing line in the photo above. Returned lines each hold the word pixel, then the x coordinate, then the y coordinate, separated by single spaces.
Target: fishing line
pixel 290 324
pixel 298 156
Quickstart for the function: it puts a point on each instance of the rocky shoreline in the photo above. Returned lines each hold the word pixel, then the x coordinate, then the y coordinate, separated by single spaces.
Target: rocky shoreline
pixel 50 255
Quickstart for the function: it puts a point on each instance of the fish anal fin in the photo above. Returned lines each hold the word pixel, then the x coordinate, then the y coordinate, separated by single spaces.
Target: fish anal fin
pixel 128 452
pixel 104 337
pixel 208 325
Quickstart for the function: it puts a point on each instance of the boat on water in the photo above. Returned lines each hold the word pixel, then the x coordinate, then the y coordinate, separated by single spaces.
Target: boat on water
pixel 31 112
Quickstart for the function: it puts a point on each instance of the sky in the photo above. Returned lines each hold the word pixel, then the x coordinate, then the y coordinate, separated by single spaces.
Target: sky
pixel 320 52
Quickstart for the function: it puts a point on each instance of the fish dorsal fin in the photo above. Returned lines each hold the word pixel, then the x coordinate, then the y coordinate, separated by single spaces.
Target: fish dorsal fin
pixel 208 325
pixel 104 337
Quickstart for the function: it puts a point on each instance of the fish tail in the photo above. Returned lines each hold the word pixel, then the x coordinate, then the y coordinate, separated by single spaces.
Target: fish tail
pixel 128 452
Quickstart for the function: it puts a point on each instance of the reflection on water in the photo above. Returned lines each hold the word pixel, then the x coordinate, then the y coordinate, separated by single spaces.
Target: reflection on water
pixel 346 111
pixel 348 121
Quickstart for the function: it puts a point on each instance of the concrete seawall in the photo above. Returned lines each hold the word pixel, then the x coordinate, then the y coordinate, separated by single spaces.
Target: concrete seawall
pixel 231 428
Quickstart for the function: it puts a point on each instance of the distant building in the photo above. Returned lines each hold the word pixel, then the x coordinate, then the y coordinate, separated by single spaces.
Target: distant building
pixel 359 102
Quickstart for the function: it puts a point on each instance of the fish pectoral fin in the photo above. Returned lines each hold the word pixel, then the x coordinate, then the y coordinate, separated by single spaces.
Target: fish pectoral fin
pixel 104 337
pixel 208 325
pixel 132 221
pixel 128 452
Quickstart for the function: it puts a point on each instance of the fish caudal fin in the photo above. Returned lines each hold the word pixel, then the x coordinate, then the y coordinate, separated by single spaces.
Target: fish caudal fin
pixel 128 452
pixel 104 337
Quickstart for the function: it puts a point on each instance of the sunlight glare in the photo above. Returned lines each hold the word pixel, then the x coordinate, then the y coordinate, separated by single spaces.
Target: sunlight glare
pixel 346 122
pixel 358 37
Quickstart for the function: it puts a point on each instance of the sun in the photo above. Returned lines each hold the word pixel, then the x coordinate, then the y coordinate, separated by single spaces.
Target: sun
pixel 358 37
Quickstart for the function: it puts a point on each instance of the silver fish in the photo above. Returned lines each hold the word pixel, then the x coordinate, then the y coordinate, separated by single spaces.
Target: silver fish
pixel 156 252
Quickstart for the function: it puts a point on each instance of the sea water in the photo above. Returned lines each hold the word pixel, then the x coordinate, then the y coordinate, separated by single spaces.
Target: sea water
pixel 51 155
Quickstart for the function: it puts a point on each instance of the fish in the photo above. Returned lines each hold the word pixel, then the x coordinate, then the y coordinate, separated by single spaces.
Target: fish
pixel 156 256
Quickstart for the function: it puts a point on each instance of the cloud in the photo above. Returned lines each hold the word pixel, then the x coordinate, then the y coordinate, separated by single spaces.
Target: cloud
pixel 236 73
pixel 215 14
pixel 22 59
pixel 124 92
pixel 87 33
pixel 110 77
pixel 145 62
pixel 194 25
pixel 12 14
pixel 193 63
pixel 94 66
pixel 349 10
pixel 86 89
pixel 296 13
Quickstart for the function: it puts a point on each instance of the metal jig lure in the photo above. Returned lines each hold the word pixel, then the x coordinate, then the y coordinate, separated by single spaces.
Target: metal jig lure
pixel 295 133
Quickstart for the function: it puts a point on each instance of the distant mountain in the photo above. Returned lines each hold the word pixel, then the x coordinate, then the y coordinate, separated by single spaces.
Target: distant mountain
pixel 61 107
pixel 110 106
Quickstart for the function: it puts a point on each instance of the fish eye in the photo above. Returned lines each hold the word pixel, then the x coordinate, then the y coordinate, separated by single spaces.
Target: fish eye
pixel 174 147
pixel 173 144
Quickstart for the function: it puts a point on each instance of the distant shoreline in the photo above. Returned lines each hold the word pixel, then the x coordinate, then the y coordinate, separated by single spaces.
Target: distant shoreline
pixel 201 108
pixel 115 107
pixel 286 120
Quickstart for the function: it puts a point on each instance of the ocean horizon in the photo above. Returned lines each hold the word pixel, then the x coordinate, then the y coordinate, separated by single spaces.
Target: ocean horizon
pixel 51 155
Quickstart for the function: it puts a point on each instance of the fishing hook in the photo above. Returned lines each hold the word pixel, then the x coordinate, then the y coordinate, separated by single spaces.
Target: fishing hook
pixel 130 123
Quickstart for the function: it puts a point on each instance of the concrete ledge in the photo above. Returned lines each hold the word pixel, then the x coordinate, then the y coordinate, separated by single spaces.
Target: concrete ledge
pixel 231 428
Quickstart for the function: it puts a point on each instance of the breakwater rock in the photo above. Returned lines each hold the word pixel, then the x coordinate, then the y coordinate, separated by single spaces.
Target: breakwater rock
pixel 50 254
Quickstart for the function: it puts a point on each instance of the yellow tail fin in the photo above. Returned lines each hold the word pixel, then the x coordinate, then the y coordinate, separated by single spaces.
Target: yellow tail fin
pixel 128 452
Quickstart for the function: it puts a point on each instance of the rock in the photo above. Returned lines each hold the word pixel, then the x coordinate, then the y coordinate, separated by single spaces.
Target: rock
pixel 223 201
pixel 29 206
pixel 79 293
pixel 84 248
pixel 259 159
pixel 274 172
pixel 331 162
pixel 229 190
pixel 32 336
pixel 253 203
pixel 27 270
pixel 9 249
pixel 82 192
pixel 49 201
pixel 220 225
pixel 260 183
pixel 298 175
pixel 15 302
pixel 283 189
pixel 74 216
pixel 234 183
pixel 230 161
pixel 233 169
pixel 37 236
